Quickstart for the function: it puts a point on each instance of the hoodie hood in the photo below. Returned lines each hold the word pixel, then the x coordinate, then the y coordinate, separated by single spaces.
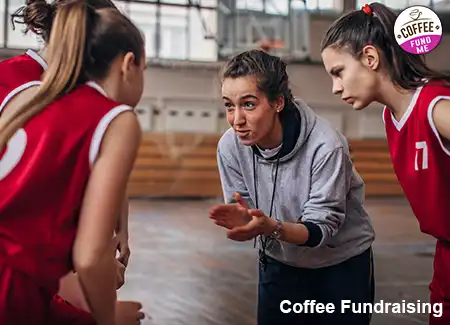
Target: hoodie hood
pixel 297 122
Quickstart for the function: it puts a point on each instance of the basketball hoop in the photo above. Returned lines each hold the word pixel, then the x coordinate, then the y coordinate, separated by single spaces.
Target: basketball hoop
pixel 268 45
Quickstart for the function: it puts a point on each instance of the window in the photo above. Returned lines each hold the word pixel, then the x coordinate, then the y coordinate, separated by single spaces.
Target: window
pixel 329 5
pixel 207 3
pixel 180 31
pixel 250 4
pixel 202 35
pixel 144 16
pixel 281 7
pixel 185 33
pixel 2 22
pixel 15 37
pixel 274 7
pixel 398 4
pixel 174 29
pixel 277 7
pixel 181 2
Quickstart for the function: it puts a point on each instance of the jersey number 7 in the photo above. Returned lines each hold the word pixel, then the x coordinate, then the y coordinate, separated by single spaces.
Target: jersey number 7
pixel 422 147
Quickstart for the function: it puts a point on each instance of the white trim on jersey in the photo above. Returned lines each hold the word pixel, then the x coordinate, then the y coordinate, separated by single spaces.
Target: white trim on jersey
pixel 101 130
pixel 37 58
pixel 399 124
pixel 18 90
pixel 96 86
pixel 433 126
pixel 44 65
pixel 102 125
pixel 382 114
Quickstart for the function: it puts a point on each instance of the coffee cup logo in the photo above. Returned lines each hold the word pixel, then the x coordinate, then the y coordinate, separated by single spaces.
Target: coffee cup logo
pixel 418 30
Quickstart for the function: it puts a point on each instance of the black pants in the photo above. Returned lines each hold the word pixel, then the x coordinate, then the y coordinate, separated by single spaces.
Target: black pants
pixel 351 280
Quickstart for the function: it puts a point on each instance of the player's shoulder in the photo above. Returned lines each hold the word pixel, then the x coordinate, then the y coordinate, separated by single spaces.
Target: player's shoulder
pixel 20 70
pixel 28 59
pixel 435 88
pixel 92 98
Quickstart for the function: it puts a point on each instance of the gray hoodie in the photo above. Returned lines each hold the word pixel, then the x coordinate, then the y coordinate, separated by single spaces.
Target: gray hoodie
pixel 316 183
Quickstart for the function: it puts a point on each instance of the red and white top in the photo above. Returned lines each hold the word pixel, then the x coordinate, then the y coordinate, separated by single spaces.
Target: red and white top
pixel 421 159
pixel 44 171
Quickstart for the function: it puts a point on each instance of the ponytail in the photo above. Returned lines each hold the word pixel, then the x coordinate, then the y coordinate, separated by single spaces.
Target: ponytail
pixel 65 55
pixel 374 25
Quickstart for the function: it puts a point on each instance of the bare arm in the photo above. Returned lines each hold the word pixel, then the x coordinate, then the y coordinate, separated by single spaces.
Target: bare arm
pixel 122 225
pixel 441 118
pixel 94 250
pixel 70 289
pixel 122 234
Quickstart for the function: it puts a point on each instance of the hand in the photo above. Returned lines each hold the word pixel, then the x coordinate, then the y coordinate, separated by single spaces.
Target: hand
pixel 239 199
pixel 128 313
pixel 230 215
pixel 120 274
pixel 123 247
pixel 259 224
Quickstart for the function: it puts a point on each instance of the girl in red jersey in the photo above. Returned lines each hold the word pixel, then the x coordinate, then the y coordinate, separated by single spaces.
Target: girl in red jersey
pixel 367 65
pixel 79 205
pixel 37 16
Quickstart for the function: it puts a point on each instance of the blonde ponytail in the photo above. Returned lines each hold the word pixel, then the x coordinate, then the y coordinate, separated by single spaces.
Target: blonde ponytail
pixel 65 55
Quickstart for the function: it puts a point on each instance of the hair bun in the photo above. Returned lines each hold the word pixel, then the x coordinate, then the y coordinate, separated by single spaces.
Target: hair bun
pixel 37 15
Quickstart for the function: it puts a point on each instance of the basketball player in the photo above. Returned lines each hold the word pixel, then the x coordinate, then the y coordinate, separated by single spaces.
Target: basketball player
pixel 37 16
pixel 369 66
pixel 313 232
pixel 67 182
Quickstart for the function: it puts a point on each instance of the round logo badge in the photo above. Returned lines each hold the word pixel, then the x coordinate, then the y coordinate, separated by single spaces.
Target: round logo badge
pixel 418 30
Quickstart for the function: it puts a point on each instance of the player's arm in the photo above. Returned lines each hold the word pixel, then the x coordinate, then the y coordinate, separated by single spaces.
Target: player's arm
pixel 122 234
pixel 70 289
pixel 441 118
pixel 94 251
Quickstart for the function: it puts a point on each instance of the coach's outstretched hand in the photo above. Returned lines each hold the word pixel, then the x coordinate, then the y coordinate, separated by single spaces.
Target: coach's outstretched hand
pixel 242 223
pixel 231 215
pixel 258 225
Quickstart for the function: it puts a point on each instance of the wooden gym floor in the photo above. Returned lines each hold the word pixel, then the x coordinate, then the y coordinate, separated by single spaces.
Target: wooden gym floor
pixel 185 271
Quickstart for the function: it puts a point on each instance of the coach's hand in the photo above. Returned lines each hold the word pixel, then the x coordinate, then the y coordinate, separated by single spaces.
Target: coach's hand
pixel 230 215
pixel 258 225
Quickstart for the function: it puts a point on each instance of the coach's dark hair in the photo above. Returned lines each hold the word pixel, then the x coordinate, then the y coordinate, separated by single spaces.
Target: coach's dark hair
pixel 269 71
pixel 83 44
pixel 38 15
pixel 354 30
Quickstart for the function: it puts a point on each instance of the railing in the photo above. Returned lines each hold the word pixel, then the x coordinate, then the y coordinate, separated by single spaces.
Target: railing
pixel 185 165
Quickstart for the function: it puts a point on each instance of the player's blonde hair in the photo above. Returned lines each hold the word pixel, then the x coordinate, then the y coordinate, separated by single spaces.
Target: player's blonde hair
pixel 83 44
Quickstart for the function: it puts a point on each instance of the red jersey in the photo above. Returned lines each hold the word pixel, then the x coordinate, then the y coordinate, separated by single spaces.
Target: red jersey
pixel 44 171
pixel 421 160
pixel 21 69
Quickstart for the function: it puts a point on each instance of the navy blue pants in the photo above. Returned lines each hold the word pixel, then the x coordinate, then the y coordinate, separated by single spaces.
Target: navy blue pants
pixel 350 280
